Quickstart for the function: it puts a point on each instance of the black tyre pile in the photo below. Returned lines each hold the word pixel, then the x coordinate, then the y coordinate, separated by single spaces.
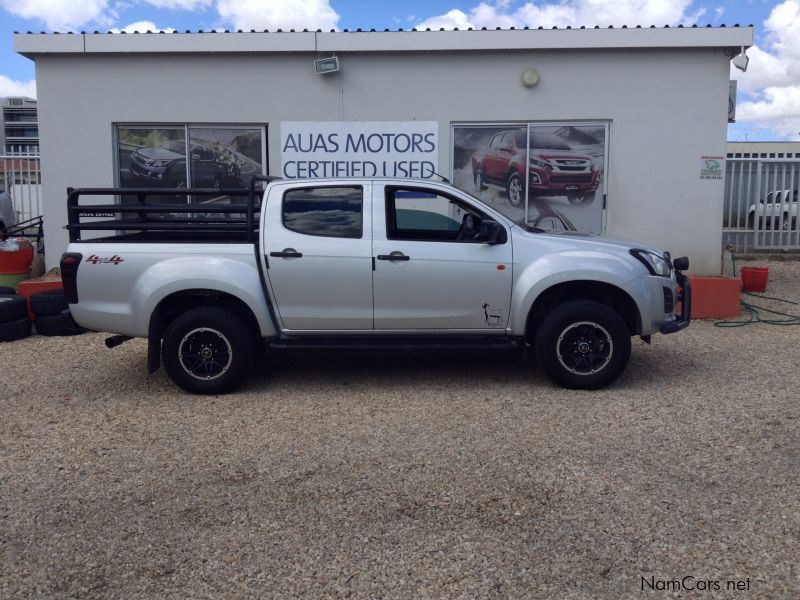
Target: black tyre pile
pixel 52 314
pixel 14 322
pixel 50 309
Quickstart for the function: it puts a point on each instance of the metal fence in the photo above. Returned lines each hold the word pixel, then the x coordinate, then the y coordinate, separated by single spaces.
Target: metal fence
pixel 21 178
pixel 761 204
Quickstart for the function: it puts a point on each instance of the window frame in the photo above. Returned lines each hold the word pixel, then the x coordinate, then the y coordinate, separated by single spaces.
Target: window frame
pixel 317 187
pixel 186 126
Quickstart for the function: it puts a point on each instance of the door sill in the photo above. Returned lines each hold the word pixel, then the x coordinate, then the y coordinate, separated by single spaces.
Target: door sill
pixel 397 342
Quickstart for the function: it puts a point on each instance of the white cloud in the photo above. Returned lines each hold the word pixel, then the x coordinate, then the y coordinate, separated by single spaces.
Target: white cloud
pixel 773 74
pixel 180 4
pixel 778 110
pixel 278 14
pixel 141 27
pixel 567 12
pixel 59 15
pixel 11 87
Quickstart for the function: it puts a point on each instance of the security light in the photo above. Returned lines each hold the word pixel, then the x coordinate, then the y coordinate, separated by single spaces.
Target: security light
pixel 740 61
pixel 326 65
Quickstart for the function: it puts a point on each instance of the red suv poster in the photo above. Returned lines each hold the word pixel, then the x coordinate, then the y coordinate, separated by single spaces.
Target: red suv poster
pixel 551 175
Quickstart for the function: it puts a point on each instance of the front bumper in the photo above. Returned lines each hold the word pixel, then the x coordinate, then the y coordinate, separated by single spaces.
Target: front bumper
pixel 685 297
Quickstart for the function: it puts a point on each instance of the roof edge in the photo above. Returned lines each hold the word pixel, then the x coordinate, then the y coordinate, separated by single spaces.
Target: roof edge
pixel 31 45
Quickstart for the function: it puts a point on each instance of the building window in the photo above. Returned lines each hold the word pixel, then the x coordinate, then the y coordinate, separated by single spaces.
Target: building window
pixel 167 156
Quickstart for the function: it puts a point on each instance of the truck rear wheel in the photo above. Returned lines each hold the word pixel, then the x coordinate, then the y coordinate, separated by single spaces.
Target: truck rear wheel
pixel 207 350
pixel 583 345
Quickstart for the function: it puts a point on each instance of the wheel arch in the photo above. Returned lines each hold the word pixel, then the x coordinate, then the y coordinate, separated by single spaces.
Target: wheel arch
pixel 177 303
pixel 599 291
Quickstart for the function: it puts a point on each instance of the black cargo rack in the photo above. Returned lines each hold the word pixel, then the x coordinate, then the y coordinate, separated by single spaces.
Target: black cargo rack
pixel 150 218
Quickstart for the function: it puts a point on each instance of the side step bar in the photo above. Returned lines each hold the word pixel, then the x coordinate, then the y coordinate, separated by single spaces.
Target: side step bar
pixel 396 343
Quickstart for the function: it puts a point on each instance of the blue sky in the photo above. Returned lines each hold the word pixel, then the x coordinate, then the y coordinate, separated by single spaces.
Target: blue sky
pixel 769 99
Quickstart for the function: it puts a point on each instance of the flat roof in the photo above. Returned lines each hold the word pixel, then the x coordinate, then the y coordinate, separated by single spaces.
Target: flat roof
pixel 202 42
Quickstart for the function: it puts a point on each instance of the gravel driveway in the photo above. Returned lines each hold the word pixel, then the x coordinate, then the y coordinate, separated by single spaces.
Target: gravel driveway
pixel 436 475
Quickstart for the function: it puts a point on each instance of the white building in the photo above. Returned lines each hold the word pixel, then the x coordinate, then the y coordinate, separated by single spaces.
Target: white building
pixel 629 123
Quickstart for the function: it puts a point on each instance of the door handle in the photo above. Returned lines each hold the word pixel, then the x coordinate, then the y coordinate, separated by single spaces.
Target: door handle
pixel 287 253
pixel 396 255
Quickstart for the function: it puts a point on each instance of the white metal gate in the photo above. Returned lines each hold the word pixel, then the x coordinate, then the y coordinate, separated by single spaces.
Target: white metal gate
pixel 21 178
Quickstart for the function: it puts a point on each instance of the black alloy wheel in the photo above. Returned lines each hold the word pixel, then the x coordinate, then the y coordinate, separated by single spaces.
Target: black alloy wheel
pixel 208 350
pixel 583 344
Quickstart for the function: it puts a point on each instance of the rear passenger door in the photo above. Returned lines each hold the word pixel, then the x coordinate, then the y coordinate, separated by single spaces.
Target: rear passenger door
pixel 319 254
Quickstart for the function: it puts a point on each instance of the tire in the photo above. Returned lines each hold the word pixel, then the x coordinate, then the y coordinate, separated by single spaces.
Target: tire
pixel 581 199
pixel 49 303
pixel 514 189
pixel 7 290
pixel 15 330
pixel 12 308
pixel 59 325
pixel 583 345
pixel 480 180
pixel 208 350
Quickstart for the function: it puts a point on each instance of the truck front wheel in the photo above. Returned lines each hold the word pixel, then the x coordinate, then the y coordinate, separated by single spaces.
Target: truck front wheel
pixel 583 345
pixel 207 350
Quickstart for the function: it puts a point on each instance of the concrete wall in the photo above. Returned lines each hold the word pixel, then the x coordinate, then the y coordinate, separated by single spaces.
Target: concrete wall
pixel 666 108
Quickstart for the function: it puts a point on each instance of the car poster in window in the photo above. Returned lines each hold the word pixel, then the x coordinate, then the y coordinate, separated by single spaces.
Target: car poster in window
pixel 218 156
pixel 550 175
pixel 152 157
pixel 224 156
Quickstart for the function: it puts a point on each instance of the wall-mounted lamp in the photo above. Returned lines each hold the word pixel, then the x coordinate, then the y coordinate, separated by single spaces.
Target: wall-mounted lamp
pixel 530 77
pixel 740 60
pixel 324 66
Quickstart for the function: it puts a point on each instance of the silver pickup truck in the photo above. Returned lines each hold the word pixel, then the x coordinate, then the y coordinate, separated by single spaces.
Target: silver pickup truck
pixel 211 276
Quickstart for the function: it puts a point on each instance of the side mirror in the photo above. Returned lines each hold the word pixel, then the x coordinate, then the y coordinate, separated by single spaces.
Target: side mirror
pixel 491 232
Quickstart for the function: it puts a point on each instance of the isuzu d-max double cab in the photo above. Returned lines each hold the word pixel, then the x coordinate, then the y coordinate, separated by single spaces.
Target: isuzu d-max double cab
pixel 356 263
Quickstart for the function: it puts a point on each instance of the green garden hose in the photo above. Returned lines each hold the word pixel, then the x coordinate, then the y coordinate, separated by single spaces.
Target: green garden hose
pixel 754 313
pixel 753 310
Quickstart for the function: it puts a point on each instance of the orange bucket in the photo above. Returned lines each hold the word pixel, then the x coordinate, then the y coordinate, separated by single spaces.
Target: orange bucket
pixel 16 262
pixel 754 279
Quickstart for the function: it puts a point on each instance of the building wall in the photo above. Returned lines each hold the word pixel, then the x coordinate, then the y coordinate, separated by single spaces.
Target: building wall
pixel 667 109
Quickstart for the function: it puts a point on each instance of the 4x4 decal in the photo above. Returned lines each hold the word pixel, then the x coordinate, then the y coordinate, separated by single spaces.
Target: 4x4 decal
pixel 114 260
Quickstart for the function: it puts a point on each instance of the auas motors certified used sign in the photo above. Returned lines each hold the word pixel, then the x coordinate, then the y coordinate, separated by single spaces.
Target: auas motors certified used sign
pixel 359 149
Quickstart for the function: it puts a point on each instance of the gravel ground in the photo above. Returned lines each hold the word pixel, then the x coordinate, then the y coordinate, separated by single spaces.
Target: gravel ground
pixel 346 474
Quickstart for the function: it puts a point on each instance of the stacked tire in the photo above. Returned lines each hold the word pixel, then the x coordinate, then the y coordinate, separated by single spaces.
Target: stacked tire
pixel 14 322
pixel 51 313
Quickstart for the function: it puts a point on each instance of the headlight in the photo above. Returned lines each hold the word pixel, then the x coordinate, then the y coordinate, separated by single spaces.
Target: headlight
pixel 539 163
pixel 655 264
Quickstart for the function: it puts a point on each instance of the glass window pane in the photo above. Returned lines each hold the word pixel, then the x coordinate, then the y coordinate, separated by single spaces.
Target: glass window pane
pixel 225 156
pixel 324 211
pixel 425 210
pixel 422 215
pixel 151 157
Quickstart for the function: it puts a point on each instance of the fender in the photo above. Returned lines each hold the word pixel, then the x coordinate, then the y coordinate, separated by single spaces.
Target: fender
pixel 221 274
pixel 552 269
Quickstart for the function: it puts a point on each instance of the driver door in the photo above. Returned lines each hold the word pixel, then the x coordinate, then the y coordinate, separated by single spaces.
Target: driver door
pixel 429 273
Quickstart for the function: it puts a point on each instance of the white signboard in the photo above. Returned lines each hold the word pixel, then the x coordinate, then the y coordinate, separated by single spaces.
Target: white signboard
pixel 359 149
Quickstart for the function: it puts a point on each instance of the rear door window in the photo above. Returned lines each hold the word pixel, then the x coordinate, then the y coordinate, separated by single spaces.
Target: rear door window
pixel 325 211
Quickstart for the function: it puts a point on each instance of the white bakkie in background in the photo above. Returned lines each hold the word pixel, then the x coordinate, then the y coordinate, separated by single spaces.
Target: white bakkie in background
pixel 354 263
